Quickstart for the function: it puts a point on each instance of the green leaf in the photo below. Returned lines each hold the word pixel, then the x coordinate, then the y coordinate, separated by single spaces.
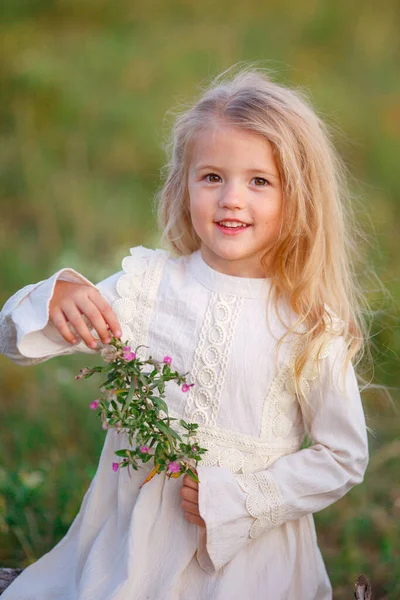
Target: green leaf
pixel 193 475
pixel 142 379
pixel 160 403
pixel 131 391
pixel 159 454
pixel 110 379
pixel 120 391
pixel 163 427
pixel 122 452
pixel 175 434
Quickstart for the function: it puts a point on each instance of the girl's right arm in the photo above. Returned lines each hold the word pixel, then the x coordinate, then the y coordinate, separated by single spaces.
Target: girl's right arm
pixel 43 320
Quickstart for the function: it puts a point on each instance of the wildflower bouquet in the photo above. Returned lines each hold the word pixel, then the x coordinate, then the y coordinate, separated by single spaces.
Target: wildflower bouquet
pixel 132 401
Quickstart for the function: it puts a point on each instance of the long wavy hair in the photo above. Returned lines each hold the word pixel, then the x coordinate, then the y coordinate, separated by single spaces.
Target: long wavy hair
pixel 311 264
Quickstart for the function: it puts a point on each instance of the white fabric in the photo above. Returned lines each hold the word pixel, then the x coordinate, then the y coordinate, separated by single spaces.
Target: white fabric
pixel 257 490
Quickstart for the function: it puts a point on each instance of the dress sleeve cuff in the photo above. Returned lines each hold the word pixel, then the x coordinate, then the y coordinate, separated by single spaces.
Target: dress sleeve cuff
pixel 222 505
pixel 264 501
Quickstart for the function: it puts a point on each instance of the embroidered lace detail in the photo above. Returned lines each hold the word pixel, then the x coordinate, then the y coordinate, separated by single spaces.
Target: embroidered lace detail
pixel 282 395
pixel 234 459
pixel 211 358
pixel 264 501
pixel 137 289
pixel 238 452
pixel 216 437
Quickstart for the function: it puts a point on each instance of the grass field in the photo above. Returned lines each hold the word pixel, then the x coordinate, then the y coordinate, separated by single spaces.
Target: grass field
pixel 85 90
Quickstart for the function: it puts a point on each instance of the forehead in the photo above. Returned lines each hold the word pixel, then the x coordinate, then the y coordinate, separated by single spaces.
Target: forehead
pixel 223 144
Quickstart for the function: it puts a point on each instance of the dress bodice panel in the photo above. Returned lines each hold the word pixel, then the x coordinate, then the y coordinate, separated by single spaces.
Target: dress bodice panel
pixel 223 332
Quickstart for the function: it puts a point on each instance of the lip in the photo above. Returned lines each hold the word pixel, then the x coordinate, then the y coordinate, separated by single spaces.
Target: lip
pixel 232 220
pixel 232 231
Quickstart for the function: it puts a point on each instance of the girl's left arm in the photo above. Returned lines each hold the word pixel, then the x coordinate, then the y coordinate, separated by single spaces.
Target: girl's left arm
pixel 237 508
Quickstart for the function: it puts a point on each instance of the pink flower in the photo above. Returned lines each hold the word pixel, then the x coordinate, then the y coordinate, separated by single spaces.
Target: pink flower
pixel 128 354
pixel 115 467
pixel 167 360
pixel 144 449
pixel 174 467
pixel 93 405
pixel 105 426
pixel 194 448
pixel 186 387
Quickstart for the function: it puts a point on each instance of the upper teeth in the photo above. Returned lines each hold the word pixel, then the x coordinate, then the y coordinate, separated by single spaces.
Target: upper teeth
pixel 232 224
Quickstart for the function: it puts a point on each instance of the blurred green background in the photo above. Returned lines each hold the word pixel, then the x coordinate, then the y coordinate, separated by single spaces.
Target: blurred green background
pixel 85 87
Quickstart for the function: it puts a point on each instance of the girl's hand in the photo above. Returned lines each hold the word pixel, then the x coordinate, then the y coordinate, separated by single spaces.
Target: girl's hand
pixel 190 503
pixel 72 301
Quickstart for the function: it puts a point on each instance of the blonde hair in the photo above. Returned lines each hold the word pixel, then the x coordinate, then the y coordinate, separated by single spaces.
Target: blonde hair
pixel 311 263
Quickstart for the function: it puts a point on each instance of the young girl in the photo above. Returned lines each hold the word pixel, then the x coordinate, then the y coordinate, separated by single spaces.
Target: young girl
pixel 258 304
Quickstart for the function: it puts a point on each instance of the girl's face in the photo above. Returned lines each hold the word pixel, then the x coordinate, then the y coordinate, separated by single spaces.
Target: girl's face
pixel 235 198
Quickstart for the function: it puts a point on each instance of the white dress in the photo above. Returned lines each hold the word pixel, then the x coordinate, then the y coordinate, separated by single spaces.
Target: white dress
pixel 257 490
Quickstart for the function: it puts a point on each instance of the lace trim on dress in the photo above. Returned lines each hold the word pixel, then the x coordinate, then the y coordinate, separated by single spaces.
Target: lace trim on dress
pixel 264 501
pixel 282 393
pixel 235 460
pixel 137 289
pixel 237 452
pixel 211 358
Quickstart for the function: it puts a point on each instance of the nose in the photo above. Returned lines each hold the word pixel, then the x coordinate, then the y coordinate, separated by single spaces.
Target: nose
pixel 232 197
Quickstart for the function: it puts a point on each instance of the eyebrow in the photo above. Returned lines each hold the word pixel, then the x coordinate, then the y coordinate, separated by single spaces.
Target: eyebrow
pixel 260 170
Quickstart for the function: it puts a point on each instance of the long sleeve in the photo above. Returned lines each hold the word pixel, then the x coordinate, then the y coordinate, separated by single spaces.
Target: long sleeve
pixel 26 335
pixel 237 508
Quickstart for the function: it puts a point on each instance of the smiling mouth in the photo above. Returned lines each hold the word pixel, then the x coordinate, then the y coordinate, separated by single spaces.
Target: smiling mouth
pixel 232 224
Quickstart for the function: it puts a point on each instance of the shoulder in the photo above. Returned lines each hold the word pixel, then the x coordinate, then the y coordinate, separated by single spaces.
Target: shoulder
pixel 140 259
pixel 136 290
pixel 146 262
pixel 144 269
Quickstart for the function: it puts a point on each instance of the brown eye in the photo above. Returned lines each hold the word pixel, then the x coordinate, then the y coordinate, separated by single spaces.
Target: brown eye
pixel 213 178
pixel 260 181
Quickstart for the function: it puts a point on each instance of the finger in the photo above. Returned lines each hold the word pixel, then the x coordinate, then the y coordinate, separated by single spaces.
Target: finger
pixel 92 313
pixel 190 507
pixel 188 481
pixel 107 313
pixel 190 494
pixel 60 323
pixel 195 520
pixel 75 318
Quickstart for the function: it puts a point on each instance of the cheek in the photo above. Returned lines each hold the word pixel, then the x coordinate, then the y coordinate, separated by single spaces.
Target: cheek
pixel 198 210
pixel 271 215
pixel 273 218
pixel 275 209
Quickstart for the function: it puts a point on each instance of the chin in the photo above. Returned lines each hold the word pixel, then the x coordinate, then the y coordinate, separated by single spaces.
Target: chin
pixel 228 256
